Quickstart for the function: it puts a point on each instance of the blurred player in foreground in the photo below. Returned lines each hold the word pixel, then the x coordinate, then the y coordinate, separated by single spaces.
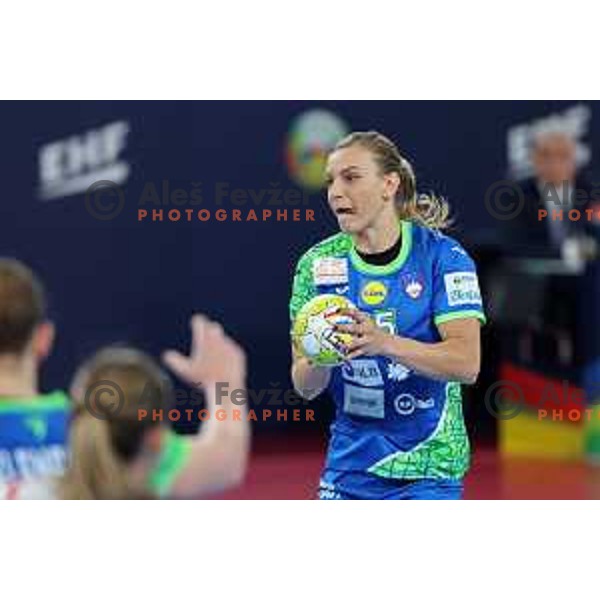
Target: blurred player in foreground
pixel 32 425
pixel 399 431
pixel 117 454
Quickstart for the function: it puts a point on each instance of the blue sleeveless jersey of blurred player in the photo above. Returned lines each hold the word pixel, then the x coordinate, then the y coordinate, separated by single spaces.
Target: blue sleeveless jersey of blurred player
pixel 397 434
pixel 33 434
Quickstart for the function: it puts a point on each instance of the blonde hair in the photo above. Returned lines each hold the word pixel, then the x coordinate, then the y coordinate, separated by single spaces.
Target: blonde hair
pixel 104 440
pixel 426 209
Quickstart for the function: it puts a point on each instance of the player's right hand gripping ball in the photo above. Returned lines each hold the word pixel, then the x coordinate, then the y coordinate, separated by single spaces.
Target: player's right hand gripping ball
pixel 314 331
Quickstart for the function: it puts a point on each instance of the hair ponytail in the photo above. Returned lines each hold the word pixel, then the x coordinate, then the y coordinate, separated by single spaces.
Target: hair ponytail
pixel 105 441
pixel 95 471
pixel 426 209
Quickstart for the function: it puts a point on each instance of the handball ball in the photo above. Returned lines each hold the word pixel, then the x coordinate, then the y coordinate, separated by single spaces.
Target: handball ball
pixel 314 333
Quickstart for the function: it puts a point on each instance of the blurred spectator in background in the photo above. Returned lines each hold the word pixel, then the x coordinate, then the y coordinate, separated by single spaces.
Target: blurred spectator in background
pixel 32 425
pixel 555 188
pixel 544 229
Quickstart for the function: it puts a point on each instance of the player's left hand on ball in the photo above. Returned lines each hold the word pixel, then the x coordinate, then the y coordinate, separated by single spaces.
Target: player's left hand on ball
pixel 368 338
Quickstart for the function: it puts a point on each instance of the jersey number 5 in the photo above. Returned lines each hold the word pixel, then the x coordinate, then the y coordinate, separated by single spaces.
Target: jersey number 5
pixel 386 320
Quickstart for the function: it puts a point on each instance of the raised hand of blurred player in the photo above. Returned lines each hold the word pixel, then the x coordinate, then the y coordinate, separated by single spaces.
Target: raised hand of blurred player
pixel 214 357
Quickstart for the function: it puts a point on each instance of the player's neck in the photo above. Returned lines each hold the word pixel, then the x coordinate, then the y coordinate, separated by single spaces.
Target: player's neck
pixel 379 237
pixel 18 377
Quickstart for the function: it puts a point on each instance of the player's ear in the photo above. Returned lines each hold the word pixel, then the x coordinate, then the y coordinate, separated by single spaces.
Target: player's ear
pixel 391 183
pixel 43 340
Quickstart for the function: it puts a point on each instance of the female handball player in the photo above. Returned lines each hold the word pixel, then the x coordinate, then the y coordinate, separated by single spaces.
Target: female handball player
pixel 399 431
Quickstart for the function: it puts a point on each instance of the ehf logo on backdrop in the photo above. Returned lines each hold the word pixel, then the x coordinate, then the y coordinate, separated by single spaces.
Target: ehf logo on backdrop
pixel 573 121
pixel 69 166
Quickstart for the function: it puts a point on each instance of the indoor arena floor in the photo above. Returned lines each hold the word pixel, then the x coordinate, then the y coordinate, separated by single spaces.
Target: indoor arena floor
pixel 283 468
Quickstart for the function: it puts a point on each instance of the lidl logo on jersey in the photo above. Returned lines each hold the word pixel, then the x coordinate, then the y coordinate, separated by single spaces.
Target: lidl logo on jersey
pixel 69 166
pixel 374 293
pixel 462 288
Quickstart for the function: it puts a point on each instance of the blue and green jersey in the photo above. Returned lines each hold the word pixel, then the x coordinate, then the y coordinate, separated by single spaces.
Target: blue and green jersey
pixel 33 435
pixel 390 420
pixel 34 448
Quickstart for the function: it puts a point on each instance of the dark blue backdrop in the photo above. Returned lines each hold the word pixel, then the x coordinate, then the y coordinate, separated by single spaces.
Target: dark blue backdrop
pixel 139 282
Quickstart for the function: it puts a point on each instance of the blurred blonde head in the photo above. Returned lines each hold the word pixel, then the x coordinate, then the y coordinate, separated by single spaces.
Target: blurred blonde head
pixel 111 449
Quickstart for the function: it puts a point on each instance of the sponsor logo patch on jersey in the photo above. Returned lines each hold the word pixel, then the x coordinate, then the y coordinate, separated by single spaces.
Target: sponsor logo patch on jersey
pixel 364 402
pixel 363 371
pixel 330 271
pixel 374 293
pixel 462 288
pixel 406 404
pixel 458 250
pixel 327 491
pixel 397 371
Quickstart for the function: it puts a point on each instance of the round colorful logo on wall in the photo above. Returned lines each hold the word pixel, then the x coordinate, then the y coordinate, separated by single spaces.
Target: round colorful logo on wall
pixel 312 135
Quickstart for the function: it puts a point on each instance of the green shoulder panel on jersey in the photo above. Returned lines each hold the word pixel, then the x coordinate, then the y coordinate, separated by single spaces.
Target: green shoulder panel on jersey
pixel 174 456
pixel 57 400
pixel 460 314
pixel 303 290
pixel 444 455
